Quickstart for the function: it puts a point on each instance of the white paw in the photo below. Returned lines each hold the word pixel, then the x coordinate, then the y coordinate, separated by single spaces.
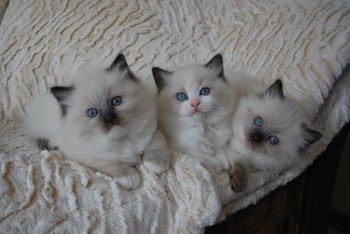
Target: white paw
pixel 156 161
pixel 212 166
pixel 129 180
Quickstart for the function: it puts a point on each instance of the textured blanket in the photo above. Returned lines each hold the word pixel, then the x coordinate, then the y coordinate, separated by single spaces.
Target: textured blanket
pixel 305 43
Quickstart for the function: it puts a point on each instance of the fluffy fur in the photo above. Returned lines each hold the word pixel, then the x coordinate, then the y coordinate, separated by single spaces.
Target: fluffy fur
pixel 114 140
pixel 195 130
pixel 199 126
pixel 281 119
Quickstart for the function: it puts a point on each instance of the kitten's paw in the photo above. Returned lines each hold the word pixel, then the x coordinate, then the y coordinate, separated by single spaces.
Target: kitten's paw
pixel 238 176
pixel 212 166
pixel 156 161
pixel 129 180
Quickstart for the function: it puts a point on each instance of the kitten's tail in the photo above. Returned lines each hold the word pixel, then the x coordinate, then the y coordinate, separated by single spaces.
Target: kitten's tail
pixel 44 116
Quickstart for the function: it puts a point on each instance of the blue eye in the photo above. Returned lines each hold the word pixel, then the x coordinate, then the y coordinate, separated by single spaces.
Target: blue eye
pixel 274 140
pixel 181 97
pixel 116 101
pixel 92 112
pixel 258 121
pixel 204 91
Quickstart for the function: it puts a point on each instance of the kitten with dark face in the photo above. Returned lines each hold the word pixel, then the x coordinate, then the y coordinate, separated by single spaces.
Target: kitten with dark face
pixel 270 130
pixel 106 120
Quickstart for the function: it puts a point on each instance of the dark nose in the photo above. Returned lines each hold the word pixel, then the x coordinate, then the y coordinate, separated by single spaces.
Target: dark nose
pixel 257 136
pixel 109 117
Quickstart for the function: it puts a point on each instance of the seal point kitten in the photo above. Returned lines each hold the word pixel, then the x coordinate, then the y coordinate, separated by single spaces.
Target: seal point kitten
pixel 106 120
pixel 270 131
pixel 193 104
pixel 195 111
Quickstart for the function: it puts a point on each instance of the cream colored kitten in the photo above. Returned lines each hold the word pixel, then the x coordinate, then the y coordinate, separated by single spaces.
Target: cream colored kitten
pixel 194 108
pixel 195 111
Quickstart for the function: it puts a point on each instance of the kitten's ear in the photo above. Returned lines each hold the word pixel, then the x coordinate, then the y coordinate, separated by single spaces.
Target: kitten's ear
pixel 275 90
pixel 160 75
pixel 61 94
pixel 310 137
pixel 217 64
pixel 120 63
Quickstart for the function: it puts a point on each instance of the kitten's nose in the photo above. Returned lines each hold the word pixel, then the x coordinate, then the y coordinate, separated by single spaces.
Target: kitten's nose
pixel 109 117
pixel 195 103
pixel 257 136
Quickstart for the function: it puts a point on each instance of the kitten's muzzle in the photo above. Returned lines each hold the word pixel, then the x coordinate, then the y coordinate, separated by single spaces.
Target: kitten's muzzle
pixel 109 119
pixel 257 136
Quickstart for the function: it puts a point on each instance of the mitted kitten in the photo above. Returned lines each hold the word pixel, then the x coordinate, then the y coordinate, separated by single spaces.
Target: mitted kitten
pixel 270 131
pixel 195 111
pixel 105 120
pixel 194 107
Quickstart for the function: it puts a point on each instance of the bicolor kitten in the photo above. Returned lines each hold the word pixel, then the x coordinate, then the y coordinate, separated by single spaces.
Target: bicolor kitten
pixel 269 130
pixel 195 110
pixel 105 120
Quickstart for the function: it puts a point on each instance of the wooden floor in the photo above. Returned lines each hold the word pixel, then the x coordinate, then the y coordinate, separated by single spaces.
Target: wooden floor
pixel 302 206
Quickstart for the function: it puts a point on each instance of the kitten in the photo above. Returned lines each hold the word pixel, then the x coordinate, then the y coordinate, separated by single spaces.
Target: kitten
pixel 105 120
pixel 195 110
pixel 269 130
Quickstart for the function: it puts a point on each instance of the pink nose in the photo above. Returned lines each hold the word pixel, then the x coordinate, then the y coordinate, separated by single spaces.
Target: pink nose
pixel 195 103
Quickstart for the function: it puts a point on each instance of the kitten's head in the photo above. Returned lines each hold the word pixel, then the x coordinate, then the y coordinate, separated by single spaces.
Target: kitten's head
pixel 271 130
pixel 193 91
pixel 110 102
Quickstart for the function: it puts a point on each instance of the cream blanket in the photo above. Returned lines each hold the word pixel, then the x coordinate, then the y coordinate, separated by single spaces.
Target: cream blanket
pixel 306 43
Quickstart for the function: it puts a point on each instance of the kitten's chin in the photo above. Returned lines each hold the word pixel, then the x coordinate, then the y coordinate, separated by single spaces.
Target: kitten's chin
pixel 195 113
pixel 116 132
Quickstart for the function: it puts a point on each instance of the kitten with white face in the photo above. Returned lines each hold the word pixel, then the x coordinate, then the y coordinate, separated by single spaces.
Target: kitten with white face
pixel 270 131
pixel 195 112
pixel 106 119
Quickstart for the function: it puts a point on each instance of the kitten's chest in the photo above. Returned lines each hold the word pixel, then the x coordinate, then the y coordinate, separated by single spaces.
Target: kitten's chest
pixel 214 135
pixel 217 134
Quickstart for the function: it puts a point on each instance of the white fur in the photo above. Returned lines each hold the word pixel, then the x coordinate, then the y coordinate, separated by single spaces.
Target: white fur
pixel 115 152
pixel 203 133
